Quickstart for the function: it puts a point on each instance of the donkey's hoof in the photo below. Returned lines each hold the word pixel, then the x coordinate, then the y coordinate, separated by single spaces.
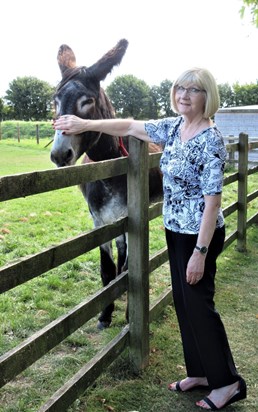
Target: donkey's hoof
pixel 103 324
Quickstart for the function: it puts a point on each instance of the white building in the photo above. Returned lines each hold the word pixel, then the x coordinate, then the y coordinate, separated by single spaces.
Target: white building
pixel 235 120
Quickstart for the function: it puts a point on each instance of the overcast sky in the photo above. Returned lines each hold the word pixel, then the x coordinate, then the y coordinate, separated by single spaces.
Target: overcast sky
pixel 165 38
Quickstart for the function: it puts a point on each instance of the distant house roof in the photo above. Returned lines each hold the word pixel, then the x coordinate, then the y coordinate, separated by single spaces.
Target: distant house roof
pixel 239 109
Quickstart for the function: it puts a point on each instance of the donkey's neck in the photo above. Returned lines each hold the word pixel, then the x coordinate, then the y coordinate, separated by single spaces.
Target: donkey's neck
pixel 106 148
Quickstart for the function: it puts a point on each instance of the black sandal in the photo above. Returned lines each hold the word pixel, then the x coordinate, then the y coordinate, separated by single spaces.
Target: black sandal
pixel 241 394
pixel 177 387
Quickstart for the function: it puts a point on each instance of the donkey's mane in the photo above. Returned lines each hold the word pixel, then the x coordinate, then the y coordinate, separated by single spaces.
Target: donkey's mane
pixel 70 74
pixel 105 109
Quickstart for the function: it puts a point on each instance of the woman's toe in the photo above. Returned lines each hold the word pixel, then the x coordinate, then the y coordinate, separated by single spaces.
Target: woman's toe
pixel 203 404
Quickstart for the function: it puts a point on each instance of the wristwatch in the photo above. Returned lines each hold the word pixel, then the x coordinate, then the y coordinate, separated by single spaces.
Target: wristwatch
pixel 202 249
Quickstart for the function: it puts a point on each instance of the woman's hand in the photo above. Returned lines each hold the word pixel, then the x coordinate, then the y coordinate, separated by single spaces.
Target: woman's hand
pixel 70 124
pixel 195 268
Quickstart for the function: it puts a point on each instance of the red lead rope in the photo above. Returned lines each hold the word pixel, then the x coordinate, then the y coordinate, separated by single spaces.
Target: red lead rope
pixel 122 148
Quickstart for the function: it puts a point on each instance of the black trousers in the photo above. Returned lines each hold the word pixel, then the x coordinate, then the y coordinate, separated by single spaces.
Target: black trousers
pixel 205 344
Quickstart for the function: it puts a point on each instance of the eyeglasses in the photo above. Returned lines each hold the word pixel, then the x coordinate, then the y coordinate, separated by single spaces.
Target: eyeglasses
pixel 191 91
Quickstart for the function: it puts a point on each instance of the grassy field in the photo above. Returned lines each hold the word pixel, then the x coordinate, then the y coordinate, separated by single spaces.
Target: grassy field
pixel 27 226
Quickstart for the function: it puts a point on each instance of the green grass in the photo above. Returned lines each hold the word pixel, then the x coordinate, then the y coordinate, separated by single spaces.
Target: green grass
pixel 27 226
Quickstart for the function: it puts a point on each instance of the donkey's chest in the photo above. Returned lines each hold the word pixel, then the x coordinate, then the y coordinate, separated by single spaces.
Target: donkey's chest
pixel 108 211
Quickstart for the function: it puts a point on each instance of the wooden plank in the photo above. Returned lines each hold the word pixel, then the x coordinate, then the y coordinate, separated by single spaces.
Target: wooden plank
pixel 230 239
pixel 28 268
pixel 155 210
pixel 158 259
pixel 138 253
pixel 22 356
pixel 253 145
pixel 160 304
pixel 252 220
pixel 230 179
pixel 69 392
pixel 230 209
pixel 252 196
pixel 252 170
pixel 25 184
pixel 242 192
pixel 232 147
pixel 154 159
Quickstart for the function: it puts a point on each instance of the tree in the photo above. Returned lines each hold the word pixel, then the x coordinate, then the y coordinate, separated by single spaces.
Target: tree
pixel 226 94
pixel 30 98
pixel 1 109
pixel 130 97
pixel 246 95
pixel 6 112
pixel 252 5
pixel 161 95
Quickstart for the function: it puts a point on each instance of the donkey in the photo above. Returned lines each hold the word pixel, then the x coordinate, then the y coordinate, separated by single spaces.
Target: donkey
pixel 80 93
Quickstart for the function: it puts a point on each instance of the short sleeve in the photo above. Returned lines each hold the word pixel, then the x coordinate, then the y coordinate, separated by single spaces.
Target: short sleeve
pixel 160 130
pixel 214 158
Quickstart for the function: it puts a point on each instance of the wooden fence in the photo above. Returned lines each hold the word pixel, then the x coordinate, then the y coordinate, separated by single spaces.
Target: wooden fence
pixel 135 281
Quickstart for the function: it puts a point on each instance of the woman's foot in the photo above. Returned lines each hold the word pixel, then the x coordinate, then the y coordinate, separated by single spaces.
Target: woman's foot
pixel 219 398
pixel 187 384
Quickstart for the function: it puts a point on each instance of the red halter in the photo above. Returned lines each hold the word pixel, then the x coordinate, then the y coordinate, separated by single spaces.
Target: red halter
pixel 122 148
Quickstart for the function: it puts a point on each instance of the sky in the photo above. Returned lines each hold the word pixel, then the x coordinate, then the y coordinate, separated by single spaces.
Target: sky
pixel 165 38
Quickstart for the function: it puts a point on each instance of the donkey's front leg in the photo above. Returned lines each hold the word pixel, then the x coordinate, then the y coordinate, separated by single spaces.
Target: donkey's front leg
pixel 108 273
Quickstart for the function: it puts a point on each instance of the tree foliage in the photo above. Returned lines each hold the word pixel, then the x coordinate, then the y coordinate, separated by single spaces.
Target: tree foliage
pixel 237 95
pixel 161 94
pixel 252 5
pixel 245 95
pixel 6 112
pixel 130 97
pixel 30 99
pixel 1 109
pixel 226 95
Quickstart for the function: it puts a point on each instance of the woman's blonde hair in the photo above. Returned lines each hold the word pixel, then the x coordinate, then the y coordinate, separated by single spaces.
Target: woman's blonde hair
pixel 202 79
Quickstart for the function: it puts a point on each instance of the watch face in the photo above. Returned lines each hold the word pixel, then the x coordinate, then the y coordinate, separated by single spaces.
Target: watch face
pixel 203 249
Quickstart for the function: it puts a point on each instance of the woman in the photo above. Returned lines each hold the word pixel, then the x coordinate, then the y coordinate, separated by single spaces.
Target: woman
pixel 192 164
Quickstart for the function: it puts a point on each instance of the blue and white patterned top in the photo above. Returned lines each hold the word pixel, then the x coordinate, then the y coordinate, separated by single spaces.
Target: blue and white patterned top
pixel 190 170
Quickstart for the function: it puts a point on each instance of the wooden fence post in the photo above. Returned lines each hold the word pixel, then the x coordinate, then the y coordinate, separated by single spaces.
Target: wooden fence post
pixel 37 133
pixel 242 192
pixel 18 132
pixel 138 253
pixel 231 159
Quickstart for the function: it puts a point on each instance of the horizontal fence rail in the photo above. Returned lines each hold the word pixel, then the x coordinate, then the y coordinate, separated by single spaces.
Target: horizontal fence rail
pixel 135 281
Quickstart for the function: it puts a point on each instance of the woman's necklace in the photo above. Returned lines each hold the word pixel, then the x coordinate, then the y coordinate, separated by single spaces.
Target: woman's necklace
pixel 187 134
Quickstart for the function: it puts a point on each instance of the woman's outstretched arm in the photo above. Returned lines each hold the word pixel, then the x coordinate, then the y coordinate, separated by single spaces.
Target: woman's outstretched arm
pixel 70 124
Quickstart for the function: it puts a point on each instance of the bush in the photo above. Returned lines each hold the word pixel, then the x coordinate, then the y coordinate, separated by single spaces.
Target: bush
pixel 22 129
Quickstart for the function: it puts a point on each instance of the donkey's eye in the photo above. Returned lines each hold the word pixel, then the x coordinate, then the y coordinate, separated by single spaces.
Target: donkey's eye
pixel 87 101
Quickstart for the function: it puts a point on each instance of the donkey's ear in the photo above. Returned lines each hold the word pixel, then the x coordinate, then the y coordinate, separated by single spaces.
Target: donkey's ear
pixel 66 58
pixel 112 58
